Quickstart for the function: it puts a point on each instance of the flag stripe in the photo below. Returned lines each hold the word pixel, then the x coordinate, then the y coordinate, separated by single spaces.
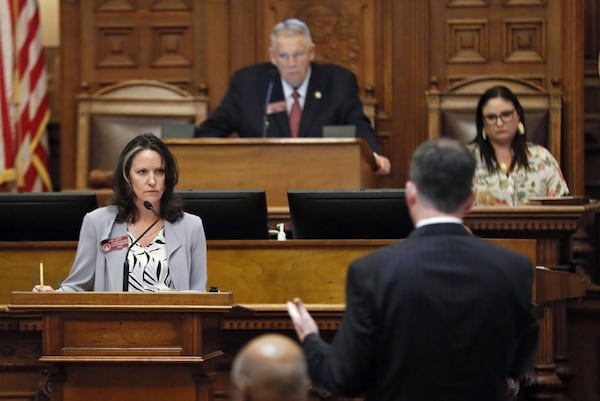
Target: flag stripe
pixel 7 149
pixel 25 141
pixel 6 157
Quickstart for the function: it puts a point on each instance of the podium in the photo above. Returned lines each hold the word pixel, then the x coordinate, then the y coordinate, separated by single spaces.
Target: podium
pixel 273 164
pixel 128 346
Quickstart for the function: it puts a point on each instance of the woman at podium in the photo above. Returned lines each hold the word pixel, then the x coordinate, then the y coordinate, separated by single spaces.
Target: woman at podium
pixel 143 241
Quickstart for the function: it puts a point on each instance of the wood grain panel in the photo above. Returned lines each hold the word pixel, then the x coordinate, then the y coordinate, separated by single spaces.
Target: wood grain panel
pixel 273 164
pixel 584 347
pixel 255 271
pixel 572 80
pixel 396 48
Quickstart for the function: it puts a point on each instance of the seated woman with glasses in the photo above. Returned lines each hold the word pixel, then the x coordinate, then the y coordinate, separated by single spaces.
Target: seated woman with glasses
pixel 510 169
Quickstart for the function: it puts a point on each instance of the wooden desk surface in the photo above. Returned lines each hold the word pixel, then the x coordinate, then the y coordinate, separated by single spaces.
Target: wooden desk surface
pixel 256 272
pixel 273 164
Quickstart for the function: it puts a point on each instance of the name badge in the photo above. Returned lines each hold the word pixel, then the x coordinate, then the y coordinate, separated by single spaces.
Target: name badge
pixel 276 107
pixel 114 243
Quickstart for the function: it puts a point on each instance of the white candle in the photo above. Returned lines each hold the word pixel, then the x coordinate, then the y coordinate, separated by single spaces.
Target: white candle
pixel 41 273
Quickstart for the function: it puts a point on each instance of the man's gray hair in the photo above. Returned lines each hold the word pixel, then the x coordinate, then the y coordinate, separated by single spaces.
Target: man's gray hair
pixel 291 27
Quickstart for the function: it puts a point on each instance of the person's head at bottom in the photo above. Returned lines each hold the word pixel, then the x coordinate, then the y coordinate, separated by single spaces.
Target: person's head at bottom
pixel 270 367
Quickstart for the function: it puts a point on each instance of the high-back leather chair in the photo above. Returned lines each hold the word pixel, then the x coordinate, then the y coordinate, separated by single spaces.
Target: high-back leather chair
pixel 111 117
pixel 452 111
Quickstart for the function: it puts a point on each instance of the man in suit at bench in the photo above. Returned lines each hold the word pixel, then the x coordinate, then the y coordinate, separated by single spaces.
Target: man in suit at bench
pixel 292 96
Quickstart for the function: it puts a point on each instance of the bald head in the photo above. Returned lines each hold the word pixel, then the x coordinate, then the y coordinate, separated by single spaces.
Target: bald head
pixel 271 367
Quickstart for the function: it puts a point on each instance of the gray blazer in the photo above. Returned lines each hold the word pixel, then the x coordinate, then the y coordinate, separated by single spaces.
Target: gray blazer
pixel 97 270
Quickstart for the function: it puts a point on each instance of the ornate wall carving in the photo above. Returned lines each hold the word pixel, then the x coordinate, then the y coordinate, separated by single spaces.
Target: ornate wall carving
pixel 494 37
pixel 115 5
pixel 171 46
pixel 467 41
pixel 524 40
pixel 117 47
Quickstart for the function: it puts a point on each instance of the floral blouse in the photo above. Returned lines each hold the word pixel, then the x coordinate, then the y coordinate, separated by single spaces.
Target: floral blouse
pixel 543 178
pixel 150 271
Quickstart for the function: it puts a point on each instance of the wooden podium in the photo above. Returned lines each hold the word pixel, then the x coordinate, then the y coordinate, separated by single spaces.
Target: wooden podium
pixel 128 346
pixel 273 164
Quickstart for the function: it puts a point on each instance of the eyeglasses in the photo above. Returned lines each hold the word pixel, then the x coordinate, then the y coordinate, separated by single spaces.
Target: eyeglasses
pixel 505 117
pixel 298 54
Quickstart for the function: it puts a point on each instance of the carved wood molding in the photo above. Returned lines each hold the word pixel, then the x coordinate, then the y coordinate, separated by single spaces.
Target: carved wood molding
pixel 524 40
pixel 539 219
pixel 277 324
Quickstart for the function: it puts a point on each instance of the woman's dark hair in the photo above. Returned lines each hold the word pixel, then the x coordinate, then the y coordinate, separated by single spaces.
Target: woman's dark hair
pixel 519 143
pixel 171 207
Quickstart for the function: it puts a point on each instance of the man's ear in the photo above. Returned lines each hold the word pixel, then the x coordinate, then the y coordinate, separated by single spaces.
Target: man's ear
pixel 241 392
pixel 411 193
pixel 312 52
pixel 273 56
pixel 247 394
pixel 469 202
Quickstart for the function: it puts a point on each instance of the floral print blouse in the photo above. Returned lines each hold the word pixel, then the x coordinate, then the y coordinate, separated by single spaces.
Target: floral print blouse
pixel 150 272
pixel 543 178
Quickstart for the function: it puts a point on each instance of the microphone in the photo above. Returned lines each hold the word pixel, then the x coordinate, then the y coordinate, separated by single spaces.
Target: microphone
pixel 148 206
pixel 266 114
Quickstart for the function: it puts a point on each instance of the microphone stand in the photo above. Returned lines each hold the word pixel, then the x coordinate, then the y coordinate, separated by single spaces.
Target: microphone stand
pixel 266 114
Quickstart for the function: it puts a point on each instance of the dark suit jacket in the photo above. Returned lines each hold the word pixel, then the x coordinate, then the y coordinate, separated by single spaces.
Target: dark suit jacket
pixel 332 99
pixel 442 315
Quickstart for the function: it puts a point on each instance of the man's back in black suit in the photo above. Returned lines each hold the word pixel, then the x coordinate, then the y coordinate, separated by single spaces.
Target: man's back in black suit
pixel 442 315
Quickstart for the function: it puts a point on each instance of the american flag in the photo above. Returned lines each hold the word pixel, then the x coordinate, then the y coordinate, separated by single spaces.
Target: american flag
pixel 23 99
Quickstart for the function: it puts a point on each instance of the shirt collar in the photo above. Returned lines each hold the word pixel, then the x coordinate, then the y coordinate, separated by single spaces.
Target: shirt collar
pixel 438 220
pixel 302 89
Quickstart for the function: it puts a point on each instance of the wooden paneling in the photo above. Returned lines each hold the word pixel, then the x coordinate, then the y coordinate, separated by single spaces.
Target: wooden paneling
pixel 495 37
pixel 274 271
pixel 304 163
pixel 410 72
pixel 313 270
pixel 396 48
pixel 591 100
pixel 584 347
pixel 114 41
pixel 572 84
pixel 535 40
pixel 94 343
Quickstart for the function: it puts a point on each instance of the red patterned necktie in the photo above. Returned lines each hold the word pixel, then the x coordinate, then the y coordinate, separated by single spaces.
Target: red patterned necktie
pixel 295 114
